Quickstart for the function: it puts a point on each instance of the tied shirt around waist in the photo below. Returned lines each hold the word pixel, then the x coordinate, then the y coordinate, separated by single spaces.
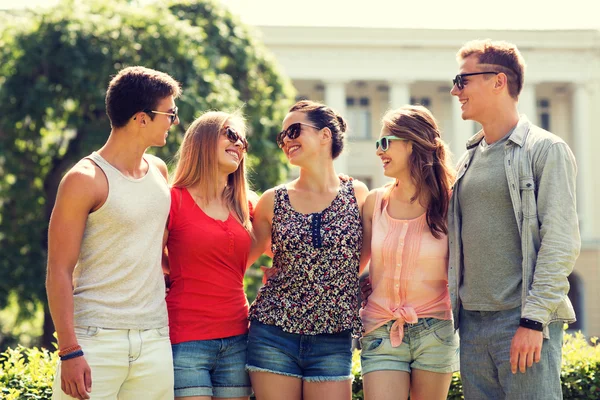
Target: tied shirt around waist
pixel 316 256
pixel 408 272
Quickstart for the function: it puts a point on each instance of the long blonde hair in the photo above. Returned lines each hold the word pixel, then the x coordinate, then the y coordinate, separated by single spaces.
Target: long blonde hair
pixel 197 163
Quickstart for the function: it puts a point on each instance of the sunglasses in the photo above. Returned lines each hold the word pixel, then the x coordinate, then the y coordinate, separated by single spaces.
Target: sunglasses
pixel 173 115
pixel 233 137
pixel 460 82
pixel 292 132
pixel 384 142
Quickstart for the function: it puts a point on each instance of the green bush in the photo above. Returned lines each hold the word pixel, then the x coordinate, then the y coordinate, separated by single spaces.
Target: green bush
pixel 29 373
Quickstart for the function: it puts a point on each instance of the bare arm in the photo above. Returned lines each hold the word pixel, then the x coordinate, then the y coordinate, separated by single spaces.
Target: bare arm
pixel 261 225
pixel 79 193
pixel 367 222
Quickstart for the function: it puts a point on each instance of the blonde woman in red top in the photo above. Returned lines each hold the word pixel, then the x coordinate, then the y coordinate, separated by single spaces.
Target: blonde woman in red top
pixel 208 241
pixel 409 343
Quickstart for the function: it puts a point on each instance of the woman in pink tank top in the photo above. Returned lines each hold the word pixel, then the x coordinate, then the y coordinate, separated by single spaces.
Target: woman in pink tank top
pixel 409 343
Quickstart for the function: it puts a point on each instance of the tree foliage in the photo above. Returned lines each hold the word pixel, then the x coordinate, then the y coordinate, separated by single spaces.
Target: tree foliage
pixel 55 65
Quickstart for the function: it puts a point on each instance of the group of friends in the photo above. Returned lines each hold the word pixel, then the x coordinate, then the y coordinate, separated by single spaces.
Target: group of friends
pixel 482 251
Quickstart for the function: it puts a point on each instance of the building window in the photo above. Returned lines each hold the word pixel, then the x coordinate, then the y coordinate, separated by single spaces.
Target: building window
pixel 543 106
pixel 422 101
pixel 358 111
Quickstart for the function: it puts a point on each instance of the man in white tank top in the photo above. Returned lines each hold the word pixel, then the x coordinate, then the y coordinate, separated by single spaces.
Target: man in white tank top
pixel 105 285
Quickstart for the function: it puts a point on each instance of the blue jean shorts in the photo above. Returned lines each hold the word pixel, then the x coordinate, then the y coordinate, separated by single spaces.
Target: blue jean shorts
pixel 429 345
pixel 313 358
pixel 213 367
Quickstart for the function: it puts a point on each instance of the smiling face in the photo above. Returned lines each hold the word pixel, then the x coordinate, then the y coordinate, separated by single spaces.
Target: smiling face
pixel 477 93
pixel 230 154
pixel 158 126
pixel 396 160
pixel 307 144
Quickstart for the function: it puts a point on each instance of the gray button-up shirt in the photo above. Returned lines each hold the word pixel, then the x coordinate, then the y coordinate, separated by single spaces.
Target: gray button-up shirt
pixel 540 170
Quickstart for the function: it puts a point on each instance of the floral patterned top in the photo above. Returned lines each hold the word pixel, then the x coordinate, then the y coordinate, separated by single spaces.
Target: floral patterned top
pixel 315 287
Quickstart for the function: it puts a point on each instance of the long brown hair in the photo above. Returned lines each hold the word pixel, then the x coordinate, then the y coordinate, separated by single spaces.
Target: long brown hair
pixel 197 163
pixel 430 167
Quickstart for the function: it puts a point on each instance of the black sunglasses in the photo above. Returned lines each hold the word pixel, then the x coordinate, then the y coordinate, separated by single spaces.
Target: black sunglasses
pixel 292 132
pixel 172 115
pixel 233 137
pixel 459 79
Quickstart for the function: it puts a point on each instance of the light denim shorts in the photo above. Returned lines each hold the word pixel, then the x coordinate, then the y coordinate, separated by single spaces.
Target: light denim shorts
pixel 213 367
pixel 429 345
pixel 313 358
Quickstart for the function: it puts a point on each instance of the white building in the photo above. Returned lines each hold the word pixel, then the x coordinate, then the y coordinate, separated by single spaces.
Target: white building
pixel 362 72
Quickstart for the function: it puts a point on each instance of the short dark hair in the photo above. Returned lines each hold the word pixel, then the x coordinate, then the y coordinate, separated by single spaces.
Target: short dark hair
pixel 135 89
pixel 500 56
pixel 324 117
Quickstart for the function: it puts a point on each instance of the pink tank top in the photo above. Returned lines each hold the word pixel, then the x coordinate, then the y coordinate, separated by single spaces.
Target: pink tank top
pixel 408 272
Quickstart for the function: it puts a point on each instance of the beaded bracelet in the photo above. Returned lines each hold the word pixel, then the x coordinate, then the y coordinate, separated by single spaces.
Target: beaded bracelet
pixel 69 350
pixel 74 354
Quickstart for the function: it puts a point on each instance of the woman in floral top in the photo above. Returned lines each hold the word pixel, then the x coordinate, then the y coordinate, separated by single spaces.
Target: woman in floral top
pixel 303 319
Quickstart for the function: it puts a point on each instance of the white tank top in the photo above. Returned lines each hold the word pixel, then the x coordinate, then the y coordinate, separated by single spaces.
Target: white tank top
pixel 118 281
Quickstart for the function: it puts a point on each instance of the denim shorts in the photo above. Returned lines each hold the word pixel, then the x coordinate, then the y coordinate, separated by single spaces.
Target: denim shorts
pixel 429 345
pixel 213 367
pixel 313 358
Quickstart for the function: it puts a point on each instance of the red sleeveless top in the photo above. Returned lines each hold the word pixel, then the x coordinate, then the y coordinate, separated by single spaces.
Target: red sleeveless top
pixel 207 258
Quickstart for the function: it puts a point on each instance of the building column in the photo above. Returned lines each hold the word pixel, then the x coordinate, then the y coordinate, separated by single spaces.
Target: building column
pixel 335 97
pixel 528 102
pixel 582 148
pixel 399 94
pixel 462 130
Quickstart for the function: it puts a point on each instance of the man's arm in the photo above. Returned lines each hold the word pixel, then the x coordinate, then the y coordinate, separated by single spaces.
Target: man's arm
pixel 77 196
pixel 560 242
pixel 559 247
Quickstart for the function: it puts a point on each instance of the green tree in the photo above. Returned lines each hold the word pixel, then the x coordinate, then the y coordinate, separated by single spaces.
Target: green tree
pixel 54 68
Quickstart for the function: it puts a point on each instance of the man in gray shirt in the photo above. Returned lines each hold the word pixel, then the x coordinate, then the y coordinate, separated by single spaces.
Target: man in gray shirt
pixel 513 233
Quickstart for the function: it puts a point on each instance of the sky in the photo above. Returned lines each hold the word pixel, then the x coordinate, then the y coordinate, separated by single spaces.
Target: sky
pixel 432 14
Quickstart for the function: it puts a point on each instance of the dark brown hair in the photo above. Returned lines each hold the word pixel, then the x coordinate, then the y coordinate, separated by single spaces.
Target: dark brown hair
pixel 430 166
pixel 498 56
pixel 135 89
pixel 324 117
